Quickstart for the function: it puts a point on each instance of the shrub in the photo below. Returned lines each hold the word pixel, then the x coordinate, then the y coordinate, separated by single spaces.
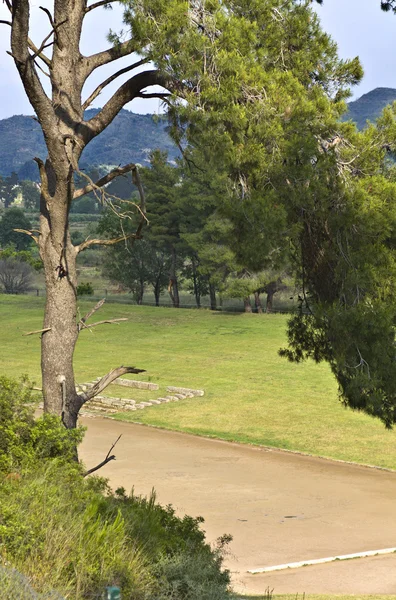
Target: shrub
pixel 24 439
pixel 75 536
pixel 85 289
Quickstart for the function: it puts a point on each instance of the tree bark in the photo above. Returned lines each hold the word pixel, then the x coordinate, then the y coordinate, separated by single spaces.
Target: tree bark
pixel 58 343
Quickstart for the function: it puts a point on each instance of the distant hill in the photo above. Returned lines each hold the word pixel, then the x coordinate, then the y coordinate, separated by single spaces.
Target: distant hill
pixel 129 138
pixel 370 106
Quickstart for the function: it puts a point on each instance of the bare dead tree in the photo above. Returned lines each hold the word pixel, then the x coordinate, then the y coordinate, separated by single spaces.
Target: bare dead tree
pixel 67 133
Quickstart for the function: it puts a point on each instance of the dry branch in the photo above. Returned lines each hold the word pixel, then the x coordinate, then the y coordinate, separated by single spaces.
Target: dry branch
pixel 104 462
pixel 38 331
pixel 84 326
pixel 102 181
pixel 98 242
pixel 97 4
pixel 29 233
pixel 93 310
pixel 107 81
pixel 106 381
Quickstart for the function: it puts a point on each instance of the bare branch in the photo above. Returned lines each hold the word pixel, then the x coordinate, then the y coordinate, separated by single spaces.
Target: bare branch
pixel 93 310
pixel 97 4
pixel 103 180
pixel 44 58
pixel 48 13
pixel 106 381
pixel 106 56
pixel 83 326
pixel 159 95
pixel 98 242
pixel 104 462
pixel 29 233
pixel 6 23
pixel 38 331
pixel 128 91
pixel 107 81
pixel 26 66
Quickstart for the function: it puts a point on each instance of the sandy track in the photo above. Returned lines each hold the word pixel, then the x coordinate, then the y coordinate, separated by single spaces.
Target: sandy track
pixel 279 507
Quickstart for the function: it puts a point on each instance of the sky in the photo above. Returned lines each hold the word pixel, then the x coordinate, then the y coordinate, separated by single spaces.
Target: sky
pixel 359 27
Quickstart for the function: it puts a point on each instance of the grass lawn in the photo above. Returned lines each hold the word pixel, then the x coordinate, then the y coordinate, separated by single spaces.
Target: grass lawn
pixel 251 394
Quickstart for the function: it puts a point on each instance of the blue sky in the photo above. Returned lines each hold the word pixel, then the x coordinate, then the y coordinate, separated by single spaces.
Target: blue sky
pixel 358 26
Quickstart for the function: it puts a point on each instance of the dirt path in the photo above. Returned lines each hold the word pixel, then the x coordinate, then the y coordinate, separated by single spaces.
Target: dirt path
pixel 279 507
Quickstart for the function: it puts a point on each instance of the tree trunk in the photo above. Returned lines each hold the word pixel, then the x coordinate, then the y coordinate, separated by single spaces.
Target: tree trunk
pixel 270 299
pixel 212 295
pixel 195 283
pixel 58 343
pixel 173 287
pixel 157 292
pixel 247 305
pixel 140 293
pixel 257 302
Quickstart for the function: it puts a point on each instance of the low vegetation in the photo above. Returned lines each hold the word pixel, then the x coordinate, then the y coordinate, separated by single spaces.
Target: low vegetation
pixel 75 536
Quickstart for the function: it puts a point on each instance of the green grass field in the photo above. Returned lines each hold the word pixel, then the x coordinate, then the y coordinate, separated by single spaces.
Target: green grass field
pixel 251 394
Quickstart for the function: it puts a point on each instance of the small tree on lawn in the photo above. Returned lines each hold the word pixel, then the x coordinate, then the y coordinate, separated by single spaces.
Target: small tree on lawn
pixel 16 276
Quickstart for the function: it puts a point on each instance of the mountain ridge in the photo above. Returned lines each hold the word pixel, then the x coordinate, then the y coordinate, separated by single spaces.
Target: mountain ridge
pixel 131 137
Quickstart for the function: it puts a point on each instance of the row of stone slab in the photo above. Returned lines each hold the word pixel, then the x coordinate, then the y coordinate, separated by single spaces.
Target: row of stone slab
pixel 113 405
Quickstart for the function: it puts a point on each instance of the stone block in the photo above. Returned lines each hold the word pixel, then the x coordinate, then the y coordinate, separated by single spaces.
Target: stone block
pixel 140 385
pixel 184 391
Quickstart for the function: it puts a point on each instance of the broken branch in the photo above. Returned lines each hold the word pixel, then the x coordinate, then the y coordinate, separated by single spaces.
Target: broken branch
pixel 83 326
pixel 93 310
pixel 108 458
pixel 29 233
pixel 106 381
pixel 38 331
pixel 98 242
pixel 103 180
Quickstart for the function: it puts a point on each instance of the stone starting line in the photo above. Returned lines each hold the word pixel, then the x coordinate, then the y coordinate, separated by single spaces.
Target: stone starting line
pixel 320 561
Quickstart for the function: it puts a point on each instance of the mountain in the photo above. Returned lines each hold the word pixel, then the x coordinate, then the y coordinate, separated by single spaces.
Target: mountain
pixel 129 138
pixel 370 106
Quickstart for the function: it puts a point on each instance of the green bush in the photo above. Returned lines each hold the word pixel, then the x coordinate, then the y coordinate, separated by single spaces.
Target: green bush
pixel 85 289
pixel 75 536
pixel 24 439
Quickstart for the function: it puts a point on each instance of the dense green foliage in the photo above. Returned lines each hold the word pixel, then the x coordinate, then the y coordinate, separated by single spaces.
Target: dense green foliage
pixel 14 218
pixel 74 535
pixel 24 440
